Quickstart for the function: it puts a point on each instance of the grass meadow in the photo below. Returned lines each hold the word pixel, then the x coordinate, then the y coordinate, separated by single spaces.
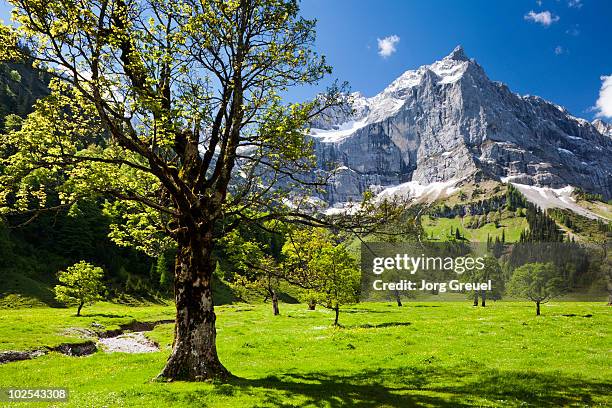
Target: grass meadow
pixel 422 354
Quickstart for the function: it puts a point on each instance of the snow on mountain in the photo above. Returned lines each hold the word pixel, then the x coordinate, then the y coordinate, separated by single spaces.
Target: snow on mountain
pixel 339 132
pixel 545 197
pixel 418 192
pixel 448 121
pixel 391 99
pixel 603 127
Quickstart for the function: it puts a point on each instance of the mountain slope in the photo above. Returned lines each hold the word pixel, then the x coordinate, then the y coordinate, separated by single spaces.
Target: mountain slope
pixel 447 122
pixel 603 127
pixel 20 86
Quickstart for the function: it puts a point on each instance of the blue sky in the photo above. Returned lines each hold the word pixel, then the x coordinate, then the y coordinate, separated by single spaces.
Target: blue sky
pixel 511 47
pixel 559 53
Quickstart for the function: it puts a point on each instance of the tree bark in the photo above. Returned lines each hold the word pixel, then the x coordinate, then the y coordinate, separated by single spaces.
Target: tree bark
pixel 194 351
pixel 274 302
pixel 337 310
pixel 312 304
pixel 537 308
pixel 80 307
pixel 483 301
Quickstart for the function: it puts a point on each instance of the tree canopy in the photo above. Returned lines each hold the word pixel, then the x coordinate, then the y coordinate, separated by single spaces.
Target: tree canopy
pixel 81 283
pixel 173 112
pixel 327 273
pixel 538 282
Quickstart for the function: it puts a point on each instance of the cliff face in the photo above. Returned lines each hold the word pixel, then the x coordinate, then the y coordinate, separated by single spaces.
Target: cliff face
pixel 448 121
pixel 603 127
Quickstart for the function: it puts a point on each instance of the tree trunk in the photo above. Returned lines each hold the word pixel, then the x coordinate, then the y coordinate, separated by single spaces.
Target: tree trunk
pixel 483 296
pixel 80 307
pixel 475 298
pixel 194 351
pixel 337 310
pixel 312 304
pixel 398 299
pixel 274 302
pixel 537 308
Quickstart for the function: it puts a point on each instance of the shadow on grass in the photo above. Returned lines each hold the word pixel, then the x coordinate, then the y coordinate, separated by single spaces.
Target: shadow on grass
pixel 408 387
pixel 365 311
pixel 108 315
pixel 379 325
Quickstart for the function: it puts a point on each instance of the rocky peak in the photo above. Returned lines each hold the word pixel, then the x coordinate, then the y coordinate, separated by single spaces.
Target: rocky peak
pixel 458 54
pixel 448 121
pixel 378 108
pixel 602 127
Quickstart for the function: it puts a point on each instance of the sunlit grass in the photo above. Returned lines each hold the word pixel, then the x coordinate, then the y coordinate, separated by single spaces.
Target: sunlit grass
pixel 426 354
pixel 439 228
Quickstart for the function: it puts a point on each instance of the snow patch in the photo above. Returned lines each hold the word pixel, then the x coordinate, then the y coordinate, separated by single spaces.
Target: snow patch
pixel 415 190
pixel 343 208
pixel 411 190
pixel 546 197
pixel 343 130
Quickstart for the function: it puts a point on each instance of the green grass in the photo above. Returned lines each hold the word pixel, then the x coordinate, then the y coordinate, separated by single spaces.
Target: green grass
pixel 34 328
pixel 425 354
pixel 439 228
pixel 20 287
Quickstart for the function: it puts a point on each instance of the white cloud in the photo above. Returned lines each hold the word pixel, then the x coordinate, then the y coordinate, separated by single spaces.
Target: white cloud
pixel 539 2
pixel 386 46
pixel 559 50
pixel 545 18
pixel 575 3
pixel 603 105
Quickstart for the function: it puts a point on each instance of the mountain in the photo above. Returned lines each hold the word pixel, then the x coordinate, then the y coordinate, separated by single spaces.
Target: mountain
pixel 446 123
pixel 20 86
pixel 602 127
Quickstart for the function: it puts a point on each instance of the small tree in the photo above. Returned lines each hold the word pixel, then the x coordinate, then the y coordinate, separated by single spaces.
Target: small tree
pixel 81 284
pixel 538 282
pixel 602 262
pixel 491 271
pixel 338 278
pixel 263 277
pixel 256 268
pixel 325 270
pixel 301 247
pixel 394 275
